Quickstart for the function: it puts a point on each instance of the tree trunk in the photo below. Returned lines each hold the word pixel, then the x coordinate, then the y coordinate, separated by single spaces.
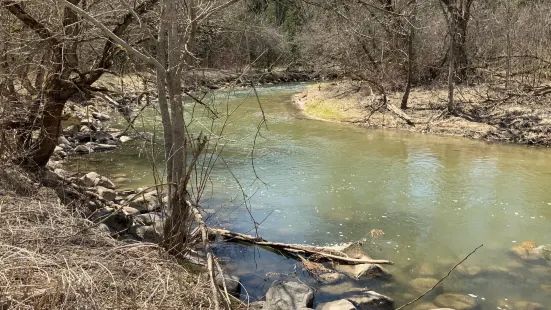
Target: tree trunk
pixel 451 67
pixel 411 57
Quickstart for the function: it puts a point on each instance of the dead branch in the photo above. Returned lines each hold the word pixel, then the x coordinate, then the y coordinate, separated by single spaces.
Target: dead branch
pixel 294 249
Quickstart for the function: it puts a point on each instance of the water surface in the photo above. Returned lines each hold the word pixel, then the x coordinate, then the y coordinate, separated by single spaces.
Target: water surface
pixel 436 198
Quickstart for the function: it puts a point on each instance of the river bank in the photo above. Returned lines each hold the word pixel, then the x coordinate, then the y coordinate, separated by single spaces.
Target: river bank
pixel 517 118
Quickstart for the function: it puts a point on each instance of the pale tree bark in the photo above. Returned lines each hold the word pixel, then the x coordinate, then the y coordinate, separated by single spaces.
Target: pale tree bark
pixel 411 55
pixel 451 68
pixel 458 12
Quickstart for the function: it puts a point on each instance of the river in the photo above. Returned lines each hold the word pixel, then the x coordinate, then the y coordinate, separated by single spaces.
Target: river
pixel 436 199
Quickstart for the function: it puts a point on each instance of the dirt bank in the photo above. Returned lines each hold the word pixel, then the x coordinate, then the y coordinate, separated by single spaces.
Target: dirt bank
pixel 523 118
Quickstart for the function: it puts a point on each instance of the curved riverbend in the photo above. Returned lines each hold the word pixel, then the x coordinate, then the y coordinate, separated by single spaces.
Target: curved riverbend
pixel 436 198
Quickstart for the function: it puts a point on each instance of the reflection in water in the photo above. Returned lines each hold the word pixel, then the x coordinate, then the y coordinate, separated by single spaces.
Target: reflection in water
pixel 436 198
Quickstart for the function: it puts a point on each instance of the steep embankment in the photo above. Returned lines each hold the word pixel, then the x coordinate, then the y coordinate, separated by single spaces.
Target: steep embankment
pixel 481 114
pixel 51 258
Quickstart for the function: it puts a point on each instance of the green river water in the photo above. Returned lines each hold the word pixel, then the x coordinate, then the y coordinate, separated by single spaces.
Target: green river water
pixel 436 199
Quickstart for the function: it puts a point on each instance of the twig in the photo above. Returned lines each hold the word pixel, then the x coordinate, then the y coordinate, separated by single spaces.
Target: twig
pixel 449 272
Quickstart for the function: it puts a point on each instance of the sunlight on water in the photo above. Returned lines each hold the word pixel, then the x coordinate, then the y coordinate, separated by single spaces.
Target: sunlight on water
pixel 436 198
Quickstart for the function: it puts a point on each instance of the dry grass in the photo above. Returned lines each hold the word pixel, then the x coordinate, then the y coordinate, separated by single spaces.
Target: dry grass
pixel 50 260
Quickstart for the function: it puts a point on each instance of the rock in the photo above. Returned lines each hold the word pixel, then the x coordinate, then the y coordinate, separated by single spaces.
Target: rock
pixel 106 193
pixel 342 304
pixel 83 149
pixel 425 306
pixel 105 182
pixel 93 205
pixel 63 141
pixel 133 211
pixel 331 277
pixel 101 116
pixel 289 295
pixel 528 305
pixel 426 270
pixel 104 228
pixel 456 301
pixel 104 147
pixel 145 203
pixel 152 233
pixel 544 251
pixel 124 139
pixel 370 300
pixel 468 271
pixel 231 281
pixel 422 285
pixel 117 222
pixel 147 218
pixel 257 305
pixel 363 270
pixel 84 129
pixel 527 252
pixel 546 288
pixel 90 179
pixel 61 173
pixel 58 149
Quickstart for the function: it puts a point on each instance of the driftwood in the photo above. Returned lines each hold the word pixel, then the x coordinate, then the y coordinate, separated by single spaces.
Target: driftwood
pixel 392 108
pixel 295 249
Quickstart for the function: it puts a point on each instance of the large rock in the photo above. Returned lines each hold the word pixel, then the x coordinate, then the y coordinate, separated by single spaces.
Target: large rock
pixel 289 295
pixel 83 149
pixel 105 182
pixel 342 304
pixel 257 305
pixel 422 285
pixel 424 306
pixel 363 271
pixel 152 233
pixel 104 147
pixel 528 305
pixel 90 179
pixel 146 203
pixel 330 277
pixel 101 116
pixel 456 301
pixel 231 281
pixel 528 252
pixel 125 139
pixel 117 222
pixel 147 218
pixel 106 193
pixel 370 300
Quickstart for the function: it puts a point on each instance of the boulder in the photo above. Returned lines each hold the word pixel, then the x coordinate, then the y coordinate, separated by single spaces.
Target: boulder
pixel 125 139
pixel 90 179
pixel 61 173
pixel 370 300
pixel 145 203
pixel 117 222
pixel 528 305
pixel 342 304
pixel 63 141
pixel 232 283
pixel 427 270
pixel 58 149
pixel 424 306
pixel 331 277
pixel 528 252
pixel 133 212
pixel 105 182
pixel 422 285
pixel 104 147
pixel 363 270
pixel 289 295
pixel 456 301
pixel 152 233
pixel 83 149
pixel 468 271
pixel 147 218
pixel 544 251
pixel 101 116
pixel 106 193
pixel 257 305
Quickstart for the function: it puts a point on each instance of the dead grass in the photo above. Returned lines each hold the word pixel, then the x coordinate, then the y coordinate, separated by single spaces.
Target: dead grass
pixel 49 260
pixel 483 114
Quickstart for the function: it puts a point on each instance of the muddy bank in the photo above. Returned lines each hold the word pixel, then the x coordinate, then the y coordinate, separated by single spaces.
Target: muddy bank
pixel 481 114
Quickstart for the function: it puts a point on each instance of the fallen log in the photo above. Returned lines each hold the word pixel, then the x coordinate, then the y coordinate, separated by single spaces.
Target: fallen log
pixel 295 249
pixel 392 108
